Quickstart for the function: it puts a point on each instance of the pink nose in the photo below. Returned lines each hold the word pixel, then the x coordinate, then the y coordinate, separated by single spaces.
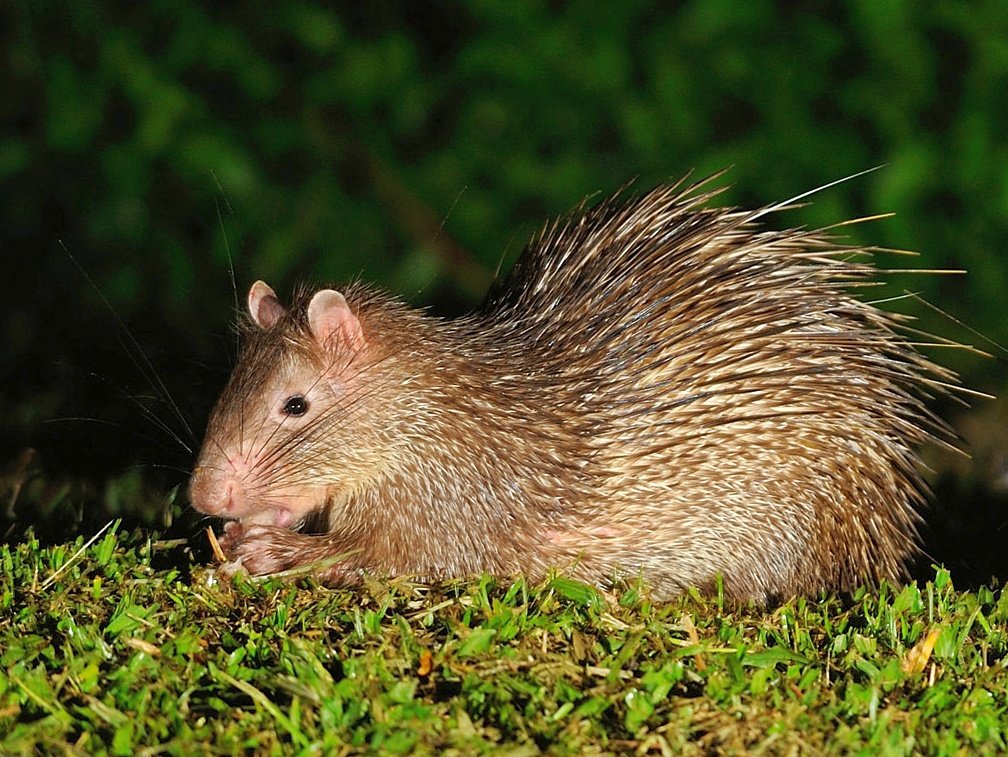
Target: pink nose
pixel 215 492
pixel 217 486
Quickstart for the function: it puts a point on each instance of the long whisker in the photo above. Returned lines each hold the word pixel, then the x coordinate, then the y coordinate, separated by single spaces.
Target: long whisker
pixel 146 368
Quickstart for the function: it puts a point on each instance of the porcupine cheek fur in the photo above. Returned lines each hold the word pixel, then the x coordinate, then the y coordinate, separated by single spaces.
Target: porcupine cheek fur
pixel 245 485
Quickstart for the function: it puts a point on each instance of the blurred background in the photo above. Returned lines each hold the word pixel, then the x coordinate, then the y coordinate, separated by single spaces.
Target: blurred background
pixel 146 148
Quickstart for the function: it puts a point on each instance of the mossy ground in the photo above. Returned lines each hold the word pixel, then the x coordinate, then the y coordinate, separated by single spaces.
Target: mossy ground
pixel 107 650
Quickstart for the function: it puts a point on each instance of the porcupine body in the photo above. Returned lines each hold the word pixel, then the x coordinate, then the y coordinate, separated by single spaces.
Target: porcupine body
pixel 658 388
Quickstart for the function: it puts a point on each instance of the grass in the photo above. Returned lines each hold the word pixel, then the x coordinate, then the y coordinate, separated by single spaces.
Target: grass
pixel 108 648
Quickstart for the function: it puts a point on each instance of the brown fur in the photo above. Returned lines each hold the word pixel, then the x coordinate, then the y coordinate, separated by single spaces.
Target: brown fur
pixel 657 388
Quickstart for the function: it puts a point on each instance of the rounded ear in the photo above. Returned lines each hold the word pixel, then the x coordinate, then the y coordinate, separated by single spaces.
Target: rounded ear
pixel 263 305
pixel 333 323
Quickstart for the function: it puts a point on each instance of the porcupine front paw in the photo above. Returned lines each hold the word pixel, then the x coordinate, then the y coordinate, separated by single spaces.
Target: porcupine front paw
pixel 259 550
pixel 262 550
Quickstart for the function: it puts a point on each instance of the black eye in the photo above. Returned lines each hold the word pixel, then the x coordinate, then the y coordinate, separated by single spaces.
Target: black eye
pixel 296 405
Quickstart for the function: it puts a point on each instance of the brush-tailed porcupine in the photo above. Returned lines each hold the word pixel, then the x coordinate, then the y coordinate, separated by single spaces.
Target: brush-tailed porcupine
pixel 658 388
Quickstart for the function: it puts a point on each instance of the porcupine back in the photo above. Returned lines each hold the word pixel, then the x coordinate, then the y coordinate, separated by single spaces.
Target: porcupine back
pixel 748 411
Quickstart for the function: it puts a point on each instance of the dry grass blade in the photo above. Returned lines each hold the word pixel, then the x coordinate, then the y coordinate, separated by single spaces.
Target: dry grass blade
pixel 75 557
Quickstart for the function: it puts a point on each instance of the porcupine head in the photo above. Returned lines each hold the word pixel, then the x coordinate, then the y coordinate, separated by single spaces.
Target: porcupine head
pixel 270 456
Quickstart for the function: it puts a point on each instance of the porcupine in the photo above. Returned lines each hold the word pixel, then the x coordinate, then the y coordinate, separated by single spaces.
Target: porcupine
pixel 658 388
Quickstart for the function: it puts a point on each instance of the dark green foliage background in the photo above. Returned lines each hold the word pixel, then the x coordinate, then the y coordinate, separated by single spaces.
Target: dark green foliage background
pixel 414 145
